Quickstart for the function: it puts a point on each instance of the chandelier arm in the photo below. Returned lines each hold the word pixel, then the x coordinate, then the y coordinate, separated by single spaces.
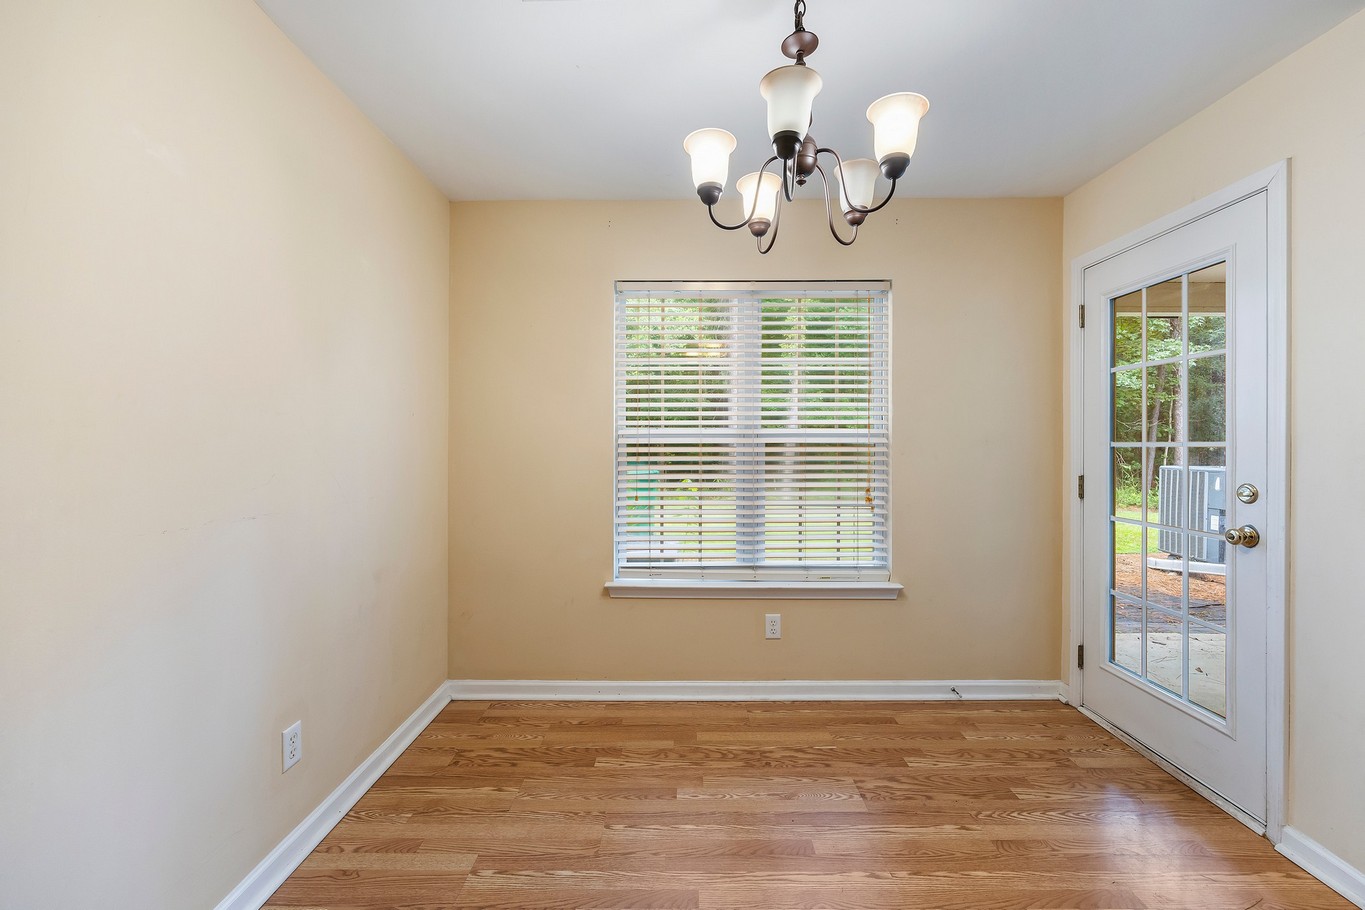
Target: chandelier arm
pixel 710 209
pixel 881 205
pixel 788 172
pixel 829 211
pixel 857 208
pixel 772 232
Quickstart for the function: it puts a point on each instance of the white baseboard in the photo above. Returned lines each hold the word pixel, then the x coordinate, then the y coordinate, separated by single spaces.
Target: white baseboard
pixel 754 690
pixel 270 873
pixel 1323 864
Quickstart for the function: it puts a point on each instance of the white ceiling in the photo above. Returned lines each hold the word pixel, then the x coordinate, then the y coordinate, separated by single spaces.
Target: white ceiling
pixel 590 99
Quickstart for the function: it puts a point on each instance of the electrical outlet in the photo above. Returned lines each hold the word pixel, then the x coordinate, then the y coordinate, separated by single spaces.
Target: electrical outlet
pixel 293 745
pixel 772 625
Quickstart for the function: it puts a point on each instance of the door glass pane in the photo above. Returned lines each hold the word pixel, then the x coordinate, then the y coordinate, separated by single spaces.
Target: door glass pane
pixel 1128 329
pixel 1169 486
pixel 1126 483
pixel 1127 402
pixel 1166 481
pixel 1208 589
pixel 1165 650
pixel 1165 568
pixel 1163 403
pixel 1208 399
pixel 1208 668
pixel 1126 646
pixel 1208 308
pixel 1208 499
pixel 1207 553
pixel 1127 546
pixel 1165 320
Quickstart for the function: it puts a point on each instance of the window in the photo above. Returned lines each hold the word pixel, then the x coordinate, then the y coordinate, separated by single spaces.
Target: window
pixel 752 432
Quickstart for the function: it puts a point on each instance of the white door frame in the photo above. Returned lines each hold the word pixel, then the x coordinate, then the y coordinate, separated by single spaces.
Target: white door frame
pixel 1274 182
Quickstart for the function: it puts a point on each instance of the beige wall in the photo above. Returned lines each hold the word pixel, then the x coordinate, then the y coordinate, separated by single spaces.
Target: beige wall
pixel 976 442
pixel 223 397
pixel 1308 108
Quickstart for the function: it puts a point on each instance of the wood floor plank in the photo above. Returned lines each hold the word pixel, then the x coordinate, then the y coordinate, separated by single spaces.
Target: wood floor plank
pixel 419 861
pixel 864 806
pixel 359 887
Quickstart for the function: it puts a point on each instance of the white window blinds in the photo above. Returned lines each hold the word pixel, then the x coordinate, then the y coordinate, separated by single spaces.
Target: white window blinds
pixel 752 430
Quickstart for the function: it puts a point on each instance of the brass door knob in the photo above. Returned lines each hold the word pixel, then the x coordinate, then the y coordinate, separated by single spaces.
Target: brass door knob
pixel 1245 536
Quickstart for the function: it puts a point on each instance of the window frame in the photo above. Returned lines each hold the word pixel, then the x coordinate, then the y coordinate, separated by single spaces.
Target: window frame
pixel 828 581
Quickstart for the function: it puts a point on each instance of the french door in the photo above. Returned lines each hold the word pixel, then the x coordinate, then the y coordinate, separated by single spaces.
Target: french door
pixel 1174 567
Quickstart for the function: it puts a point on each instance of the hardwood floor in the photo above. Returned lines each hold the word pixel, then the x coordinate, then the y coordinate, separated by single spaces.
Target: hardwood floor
pixel 865 806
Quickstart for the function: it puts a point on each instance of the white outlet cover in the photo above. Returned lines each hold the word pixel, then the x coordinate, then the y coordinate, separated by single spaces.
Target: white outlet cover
pixel 772 625
pixel 292 744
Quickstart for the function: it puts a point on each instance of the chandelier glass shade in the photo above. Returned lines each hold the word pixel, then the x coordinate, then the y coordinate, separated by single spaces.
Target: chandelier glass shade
pixel 857 185
pixel 759 191
pixel 710 152
pixel 895 124
pixel 790 93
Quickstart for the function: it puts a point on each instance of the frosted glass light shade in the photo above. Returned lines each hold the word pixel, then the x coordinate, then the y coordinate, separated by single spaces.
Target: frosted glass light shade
pixel 766 190
pixel 790 92
pixel 857 183
pixel 895 128
pixel 710 152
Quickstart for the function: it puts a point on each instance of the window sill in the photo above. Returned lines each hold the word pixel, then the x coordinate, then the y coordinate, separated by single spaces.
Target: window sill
pixel 683 589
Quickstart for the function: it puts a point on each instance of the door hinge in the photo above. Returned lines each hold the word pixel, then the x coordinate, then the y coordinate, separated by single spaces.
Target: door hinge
pixel 1082 315
pixel 1080 657
pixel 1080 486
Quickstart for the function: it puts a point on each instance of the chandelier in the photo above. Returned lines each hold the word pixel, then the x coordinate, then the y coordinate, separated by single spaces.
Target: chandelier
pixel 790 92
